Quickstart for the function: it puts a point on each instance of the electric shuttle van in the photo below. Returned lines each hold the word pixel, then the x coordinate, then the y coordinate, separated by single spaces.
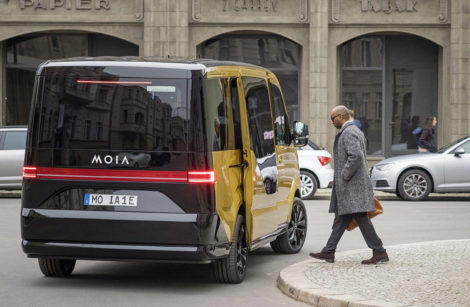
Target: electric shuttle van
pixel 170 161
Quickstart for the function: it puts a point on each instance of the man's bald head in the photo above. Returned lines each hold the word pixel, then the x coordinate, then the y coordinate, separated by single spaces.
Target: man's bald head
pixel 339 115
pixel 341 110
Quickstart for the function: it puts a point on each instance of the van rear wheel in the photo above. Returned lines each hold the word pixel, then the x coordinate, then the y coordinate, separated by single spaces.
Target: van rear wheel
pixel 232 270
pixel 56 267
pixel 293 239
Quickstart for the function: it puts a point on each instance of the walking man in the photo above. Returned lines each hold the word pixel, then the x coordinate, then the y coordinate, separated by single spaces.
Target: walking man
pixel 352 194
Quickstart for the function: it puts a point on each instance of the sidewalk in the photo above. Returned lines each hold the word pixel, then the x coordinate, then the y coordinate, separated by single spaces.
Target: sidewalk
pixel 423 274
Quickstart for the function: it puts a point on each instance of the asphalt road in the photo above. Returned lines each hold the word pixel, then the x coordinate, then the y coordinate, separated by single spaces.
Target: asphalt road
pixel 95 283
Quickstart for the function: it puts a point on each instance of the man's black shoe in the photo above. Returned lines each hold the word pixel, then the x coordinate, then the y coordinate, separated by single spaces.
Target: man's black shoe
pixel 328 257
pixel 382 257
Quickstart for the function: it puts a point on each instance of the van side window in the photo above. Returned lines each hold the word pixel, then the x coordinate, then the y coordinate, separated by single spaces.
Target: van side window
pixel 236 113
pixel 261 130
pixel 259 116
pixel 216 114
pixel 281 122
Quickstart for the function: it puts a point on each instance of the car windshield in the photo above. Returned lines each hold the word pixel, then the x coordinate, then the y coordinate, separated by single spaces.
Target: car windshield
pixel 446 147
pixel 311 146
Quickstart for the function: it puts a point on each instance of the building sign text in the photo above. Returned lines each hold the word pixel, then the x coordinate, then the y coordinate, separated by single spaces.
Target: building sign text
pixel 388 6
pixel 250 5
pixel 68 4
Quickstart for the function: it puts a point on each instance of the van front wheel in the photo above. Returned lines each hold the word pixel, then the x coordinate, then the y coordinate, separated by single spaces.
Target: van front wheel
pixel 293 239
pixel 232 270
pixel 56 267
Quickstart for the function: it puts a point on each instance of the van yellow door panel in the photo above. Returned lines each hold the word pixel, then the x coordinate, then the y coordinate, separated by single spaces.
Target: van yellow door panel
pixel 288 179
pixel 228 187
pixel 261 175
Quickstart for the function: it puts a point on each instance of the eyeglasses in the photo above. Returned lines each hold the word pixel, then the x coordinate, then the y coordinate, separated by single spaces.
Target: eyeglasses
pixel 333 118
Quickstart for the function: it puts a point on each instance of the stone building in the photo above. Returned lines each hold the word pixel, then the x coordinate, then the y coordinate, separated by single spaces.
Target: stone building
pixel 393 61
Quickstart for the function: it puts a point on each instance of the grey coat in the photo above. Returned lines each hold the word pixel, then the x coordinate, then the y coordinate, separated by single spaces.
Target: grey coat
pixel 352 187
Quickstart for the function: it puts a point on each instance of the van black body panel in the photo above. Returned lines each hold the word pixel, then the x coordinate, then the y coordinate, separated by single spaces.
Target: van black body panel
pixel 105 117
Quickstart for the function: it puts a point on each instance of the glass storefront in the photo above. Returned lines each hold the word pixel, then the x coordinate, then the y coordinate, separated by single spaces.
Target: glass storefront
pixel 391 83
pixel 24 54
pixel 280 55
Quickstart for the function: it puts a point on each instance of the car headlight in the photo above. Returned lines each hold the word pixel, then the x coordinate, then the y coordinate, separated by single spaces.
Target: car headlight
pixel 383 167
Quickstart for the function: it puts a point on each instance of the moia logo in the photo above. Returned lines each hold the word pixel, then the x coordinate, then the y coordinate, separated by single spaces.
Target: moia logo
pixel 109 160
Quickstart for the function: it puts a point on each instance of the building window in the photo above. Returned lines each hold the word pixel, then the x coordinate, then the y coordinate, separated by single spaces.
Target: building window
pixel 24 54
pixel 99 131
pixel 394 78
pixel 87 129
pixel 274 52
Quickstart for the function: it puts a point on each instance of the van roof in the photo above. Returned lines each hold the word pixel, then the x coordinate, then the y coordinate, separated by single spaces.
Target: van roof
pixel 156 62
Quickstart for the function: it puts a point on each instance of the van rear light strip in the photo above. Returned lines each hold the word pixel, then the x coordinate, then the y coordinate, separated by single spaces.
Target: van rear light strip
pixel 117 175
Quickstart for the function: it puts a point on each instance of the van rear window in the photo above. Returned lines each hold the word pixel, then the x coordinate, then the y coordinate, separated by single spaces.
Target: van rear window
pixel 81 110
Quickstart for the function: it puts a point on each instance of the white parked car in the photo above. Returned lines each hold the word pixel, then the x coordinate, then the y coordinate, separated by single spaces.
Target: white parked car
pixel 315 169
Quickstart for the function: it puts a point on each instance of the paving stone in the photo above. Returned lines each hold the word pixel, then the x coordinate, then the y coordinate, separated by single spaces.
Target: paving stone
pixel 427 274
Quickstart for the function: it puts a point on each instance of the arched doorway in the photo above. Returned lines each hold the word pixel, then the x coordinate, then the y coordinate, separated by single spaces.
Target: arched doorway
pixel 391 81
pixel 24 53
pixel 280 55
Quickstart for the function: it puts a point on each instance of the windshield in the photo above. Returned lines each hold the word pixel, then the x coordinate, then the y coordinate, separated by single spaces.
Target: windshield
pixel 80 110
pixel 446 147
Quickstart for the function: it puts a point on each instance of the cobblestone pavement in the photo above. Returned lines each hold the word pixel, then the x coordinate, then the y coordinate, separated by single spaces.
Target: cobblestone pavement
pixel 423 274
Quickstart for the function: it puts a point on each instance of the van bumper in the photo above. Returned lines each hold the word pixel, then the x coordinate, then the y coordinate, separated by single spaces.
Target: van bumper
pixel 154 253
pixel 111 235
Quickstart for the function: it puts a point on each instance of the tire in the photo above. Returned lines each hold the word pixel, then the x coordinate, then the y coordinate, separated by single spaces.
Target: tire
pixel 292 241
pixel 308 185
pixel 268 186
pixel 232 270
pixel 414 185
pixel 56 267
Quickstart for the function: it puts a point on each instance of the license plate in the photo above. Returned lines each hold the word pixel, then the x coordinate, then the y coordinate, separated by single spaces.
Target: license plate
pixel 110 200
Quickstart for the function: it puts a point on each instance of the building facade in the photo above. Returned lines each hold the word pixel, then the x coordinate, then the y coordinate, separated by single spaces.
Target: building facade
pixel 394 62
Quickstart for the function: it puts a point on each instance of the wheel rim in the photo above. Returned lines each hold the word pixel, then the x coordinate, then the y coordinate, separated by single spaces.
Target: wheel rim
pixel 297 227
pixel 242 251
pixel 306 185
pixel 415 185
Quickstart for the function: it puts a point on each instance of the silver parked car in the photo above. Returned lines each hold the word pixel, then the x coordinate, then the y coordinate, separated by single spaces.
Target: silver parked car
pixel 413 177
pixel 12 145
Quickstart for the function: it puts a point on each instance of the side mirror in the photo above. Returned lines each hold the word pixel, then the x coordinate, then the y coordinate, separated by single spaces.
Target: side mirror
pixel 459 151
pixel 300 134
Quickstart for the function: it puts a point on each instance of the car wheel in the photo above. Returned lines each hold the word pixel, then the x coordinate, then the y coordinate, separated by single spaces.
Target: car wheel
pixel 56 267
pixel 293 239
pixel 308 185
pixel 232 269
pixel 414 185
pixel 268 186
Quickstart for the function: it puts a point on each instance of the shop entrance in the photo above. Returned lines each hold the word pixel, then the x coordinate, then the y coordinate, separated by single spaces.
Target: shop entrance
pixel 391 82
pixel 23 54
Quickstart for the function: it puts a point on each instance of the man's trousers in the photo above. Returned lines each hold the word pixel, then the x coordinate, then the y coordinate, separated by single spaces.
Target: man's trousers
pixel 365 225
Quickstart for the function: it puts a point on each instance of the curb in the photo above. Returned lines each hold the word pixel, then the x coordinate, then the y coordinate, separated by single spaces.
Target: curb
pixel 293 282
pixel 10 193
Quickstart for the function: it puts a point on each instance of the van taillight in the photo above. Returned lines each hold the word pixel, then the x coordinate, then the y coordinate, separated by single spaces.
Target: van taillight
pixel 29 172
pixel 201 176
pixel 323 160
